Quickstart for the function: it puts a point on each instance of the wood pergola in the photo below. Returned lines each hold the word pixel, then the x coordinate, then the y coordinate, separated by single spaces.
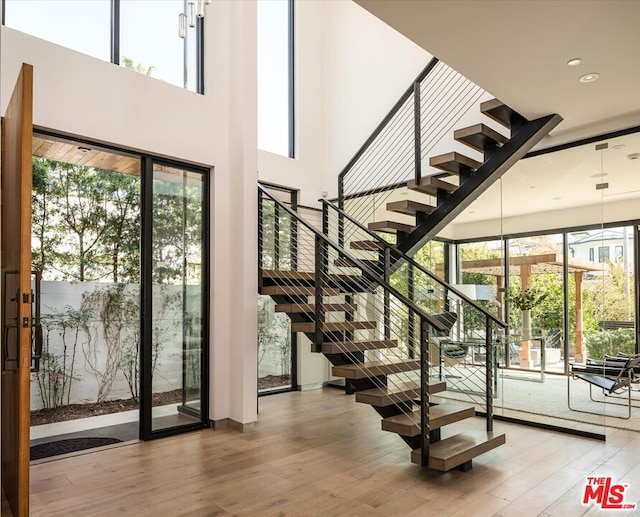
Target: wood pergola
pixel 525 266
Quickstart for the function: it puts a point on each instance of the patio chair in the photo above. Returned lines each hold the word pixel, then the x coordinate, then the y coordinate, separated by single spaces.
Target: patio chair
pixel 614 375
pixel 442 350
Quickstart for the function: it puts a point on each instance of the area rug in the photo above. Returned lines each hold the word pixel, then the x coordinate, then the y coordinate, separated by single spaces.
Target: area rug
pixel 46 450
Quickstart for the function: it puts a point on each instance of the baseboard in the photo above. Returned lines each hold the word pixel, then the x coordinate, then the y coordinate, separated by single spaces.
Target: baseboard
pixel 310 387
pixel 236 426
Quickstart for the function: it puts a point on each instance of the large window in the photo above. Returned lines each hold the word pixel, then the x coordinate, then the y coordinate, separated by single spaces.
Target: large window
pixel 82 26
pixel 275 77
pixel 141 35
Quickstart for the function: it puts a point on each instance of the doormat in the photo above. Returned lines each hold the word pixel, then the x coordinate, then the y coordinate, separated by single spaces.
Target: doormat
pixel 46 450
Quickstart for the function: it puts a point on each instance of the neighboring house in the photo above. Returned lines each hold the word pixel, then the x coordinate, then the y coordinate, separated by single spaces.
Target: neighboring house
pixel 603 246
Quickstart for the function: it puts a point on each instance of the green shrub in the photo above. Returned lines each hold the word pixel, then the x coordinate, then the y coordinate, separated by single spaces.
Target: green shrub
pixel 610 342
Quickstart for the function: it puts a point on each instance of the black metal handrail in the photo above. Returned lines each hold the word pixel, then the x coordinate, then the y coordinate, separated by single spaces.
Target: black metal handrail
pixel 402 257
pixel 408 93
pixel 323 249
pixel 369 273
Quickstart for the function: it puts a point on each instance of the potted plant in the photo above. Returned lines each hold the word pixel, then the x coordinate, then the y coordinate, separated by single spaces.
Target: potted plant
pixel 525 301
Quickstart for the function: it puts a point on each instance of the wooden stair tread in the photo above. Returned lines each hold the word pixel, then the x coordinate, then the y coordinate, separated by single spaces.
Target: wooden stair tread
pixel 311 307
pixel 431 185
pixel 340 347
pixel 399 392
pixel 390 227
pixel 366 245
pixel 306 276
pixel 410 207
pixel 460 448
pixel 374 368
pixel 408 424
pixel 454 162
pixel 373 265
pixel 501 113
pixel 297 290
pixel 334 326
pixel 479 136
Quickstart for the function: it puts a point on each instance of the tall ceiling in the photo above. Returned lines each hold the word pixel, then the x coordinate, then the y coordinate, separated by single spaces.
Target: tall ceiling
pixel 518 50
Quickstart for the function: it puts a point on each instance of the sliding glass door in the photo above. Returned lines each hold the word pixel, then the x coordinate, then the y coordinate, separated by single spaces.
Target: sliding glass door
pixel 175 341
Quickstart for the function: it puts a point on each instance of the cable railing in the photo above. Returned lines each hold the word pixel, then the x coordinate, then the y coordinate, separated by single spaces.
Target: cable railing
pixel 477 328
pixel 371 325
pixel 419 125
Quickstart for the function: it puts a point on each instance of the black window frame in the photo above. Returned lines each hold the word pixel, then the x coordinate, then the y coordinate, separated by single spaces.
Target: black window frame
pixel 115 44
pixel 603 254
pixel 292 82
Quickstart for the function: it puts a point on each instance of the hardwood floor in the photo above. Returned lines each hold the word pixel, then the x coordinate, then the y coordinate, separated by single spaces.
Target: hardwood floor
pixel 320 453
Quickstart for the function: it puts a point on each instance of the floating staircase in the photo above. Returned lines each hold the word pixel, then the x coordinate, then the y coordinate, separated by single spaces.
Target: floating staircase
pixel 377 336
pixel 363 347
pixel 460 178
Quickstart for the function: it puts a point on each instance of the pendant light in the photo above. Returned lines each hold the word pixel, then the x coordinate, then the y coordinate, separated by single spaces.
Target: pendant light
pixel 182 25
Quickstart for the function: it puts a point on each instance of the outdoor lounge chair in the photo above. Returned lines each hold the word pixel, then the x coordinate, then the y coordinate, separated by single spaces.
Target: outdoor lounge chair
pixel 613 375
pixel 442 350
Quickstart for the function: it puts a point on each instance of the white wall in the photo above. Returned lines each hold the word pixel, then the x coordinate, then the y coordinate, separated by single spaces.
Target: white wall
pixel 350 70
pixel 368 66
pixel 79 95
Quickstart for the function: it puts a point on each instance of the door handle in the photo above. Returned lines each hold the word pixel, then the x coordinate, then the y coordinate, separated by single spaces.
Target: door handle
pixel 36 325
pixel 9 325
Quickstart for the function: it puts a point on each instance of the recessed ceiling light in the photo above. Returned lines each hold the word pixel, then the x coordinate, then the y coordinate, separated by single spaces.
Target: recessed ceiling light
pixel 532 186
pixel 600 175
pixel 619 146
pixel 574 62
pixel 471 212
pixel 556 198
pixel 589 78
pixel 83 150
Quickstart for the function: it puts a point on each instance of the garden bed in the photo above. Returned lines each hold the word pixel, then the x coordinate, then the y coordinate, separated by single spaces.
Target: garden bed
pixel 76 411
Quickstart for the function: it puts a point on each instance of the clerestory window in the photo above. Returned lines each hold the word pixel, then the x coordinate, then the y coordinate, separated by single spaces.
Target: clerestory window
pixel 159 38
pixel 276 113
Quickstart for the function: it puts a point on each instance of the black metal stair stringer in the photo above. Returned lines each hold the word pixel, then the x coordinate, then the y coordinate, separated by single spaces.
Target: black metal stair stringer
pixel 528 135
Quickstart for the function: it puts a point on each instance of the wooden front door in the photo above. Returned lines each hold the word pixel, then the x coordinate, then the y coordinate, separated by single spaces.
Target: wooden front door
pixel 17 131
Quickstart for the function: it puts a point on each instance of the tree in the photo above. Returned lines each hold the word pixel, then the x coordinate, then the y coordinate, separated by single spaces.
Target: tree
pixel 607 297
pixel 137 67
pixel 122 236
pixel 44 239
pixel 86 222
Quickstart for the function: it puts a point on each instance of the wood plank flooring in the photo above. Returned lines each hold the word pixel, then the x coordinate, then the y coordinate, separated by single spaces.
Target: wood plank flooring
pixel 320 453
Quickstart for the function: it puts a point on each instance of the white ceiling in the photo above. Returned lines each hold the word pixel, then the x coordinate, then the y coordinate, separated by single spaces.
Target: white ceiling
pixel 564 179
pixel 518 50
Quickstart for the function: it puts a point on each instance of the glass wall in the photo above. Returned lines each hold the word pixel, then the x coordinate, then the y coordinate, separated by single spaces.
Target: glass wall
pixel 570 255
pixel 176 339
